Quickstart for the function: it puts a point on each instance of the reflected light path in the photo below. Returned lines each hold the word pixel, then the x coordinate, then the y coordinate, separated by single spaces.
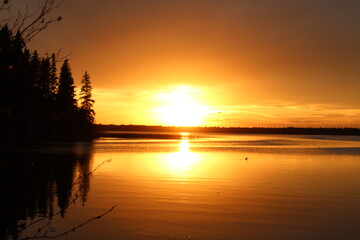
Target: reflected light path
pixel 183 163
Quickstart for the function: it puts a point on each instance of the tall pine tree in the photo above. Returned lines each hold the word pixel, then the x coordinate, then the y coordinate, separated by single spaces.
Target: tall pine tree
pixel 86 99
pixel 54 80
pixel 66 93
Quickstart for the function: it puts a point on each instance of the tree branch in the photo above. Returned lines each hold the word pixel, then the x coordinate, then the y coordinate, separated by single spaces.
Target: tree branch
pixel 72 229
pixel 29 24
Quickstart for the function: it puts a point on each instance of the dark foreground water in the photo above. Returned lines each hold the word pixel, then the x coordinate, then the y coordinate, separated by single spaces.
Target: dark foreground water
pixel 209 187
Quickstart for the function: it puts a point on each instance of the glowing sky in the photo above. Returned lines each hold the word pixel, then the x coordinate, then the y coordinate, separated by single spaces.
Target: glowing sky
pixel 245 62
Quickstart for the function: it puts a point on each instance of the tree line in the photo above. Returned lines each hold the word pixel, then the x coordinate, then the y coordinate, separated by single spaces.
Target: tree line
pixel 37 103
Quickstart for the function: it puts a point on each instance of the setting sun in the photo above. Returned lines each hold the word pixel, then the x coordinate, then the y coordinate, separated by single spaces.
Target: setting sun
pixel 180 107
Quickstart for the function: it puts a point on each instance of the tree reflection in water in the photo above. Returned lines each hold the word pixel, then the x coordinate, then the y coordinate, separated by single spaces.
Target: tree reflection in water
pixel 35 183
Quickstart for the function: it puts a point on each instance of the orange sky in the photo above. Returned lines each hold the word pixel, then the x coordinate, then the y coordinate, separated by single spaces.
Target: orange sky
pixel 247 63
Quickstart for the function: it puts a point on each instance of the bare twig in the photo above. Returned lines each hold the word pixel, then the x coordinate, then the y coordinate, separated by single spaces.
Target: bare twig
pixel 60 58
pixel 72 229
pixel 39 220
pixel 80 177
pixel 28 23
pixel 42 227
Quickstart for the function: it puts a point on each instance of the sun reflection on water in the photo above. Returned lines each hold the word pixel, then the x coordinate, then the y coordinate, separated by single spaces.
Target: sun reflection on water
pixel 183 162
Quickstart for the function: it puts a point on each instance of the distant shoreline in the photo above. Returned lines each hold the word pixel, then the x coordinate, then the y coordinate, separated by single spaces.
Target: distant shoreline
pixel 103 130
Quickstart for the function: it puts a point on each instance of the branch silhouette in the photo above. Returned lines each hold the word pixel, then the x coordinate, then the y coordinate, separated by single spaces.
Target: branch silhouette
pixel 30 23
pixel 72 229
pixel 72 200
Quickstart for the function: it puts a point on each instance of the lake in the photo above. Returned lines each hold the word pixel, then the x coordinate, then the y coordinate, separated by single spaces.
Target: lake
pixel 200 186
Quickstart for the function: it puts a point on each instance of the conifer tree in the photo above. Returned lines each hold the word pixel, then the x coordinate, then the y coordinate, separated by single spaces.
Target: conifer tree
pixel 54 80
pixel 66 93
pixel 86 98
pixel 44 81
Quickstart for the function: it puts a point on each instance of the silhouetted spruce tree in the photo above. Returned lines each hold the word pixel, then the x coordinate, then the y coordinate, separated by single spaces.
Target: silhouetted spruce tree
pixel 54 80
pixel 53 90
pixel 44 79
pixel 66 94
pixel 35 72
pixel 86 99
pixel 67 104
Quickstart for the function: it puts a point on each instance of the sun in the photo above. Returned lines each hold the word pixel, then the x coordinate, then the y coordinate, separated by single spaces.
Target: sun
pixel 182 114
pixel 180 107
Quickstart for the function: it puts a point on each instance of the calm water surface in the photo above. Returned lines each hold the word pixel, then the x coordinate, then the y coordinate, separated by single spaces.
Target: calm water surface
pixel 219 187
